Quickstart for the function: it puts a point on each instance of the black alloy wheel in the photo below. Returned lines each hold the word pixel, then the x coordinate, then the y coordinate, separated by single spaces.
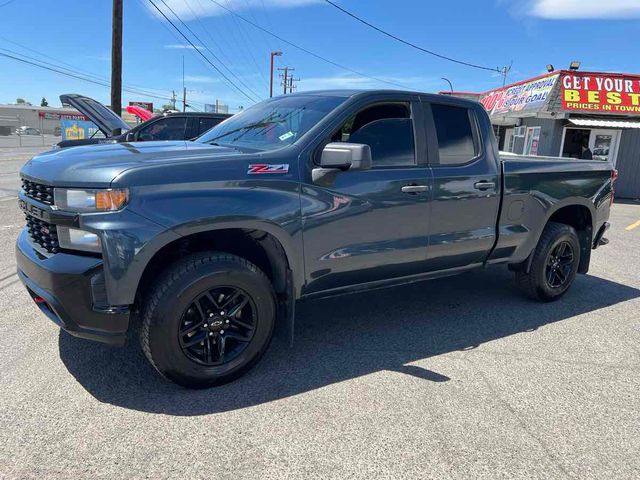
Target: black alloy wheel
pixel 207 319
pixel 554 265
pixel 217 326
pixel 559 265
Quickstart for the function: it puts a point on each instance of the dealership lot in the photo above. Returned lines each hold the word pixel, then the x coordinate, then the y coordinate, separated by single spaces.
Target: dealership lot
pixel 455 378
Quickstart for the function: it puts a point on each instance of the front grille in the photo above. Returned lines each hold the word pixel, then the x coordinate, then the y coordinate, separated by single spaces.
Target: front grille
pixel 38 191
pixel 43 233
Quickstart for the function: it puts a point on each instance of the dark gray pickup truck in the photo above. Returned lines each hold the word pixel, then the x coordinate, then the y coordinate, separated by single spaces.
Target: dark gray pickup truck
pixel 210 243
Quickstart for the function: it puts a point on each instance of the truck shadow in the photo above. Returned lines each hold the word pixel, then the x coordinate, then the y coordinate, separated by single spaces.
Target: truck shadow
pixel 346 337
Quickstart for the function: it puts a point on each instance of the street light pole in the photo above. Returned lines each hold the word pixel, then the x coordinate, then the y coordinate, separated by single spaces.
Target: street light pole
pixel 449 82
pixel 273 54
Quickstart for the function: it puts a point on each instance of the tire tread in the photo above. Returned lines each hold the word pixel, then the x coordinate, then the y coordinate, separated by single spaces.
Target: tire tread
pixel 172 275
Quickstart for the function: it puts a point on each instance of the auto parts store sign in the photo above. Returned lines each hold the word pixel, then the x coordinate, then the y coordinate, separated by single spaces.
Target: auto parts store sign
pixel 594 92
pixel 525 96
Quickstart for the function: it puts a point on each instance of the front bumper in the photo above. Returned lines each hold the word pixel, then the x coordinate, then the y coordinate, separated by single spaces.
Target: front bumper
pixel 70 291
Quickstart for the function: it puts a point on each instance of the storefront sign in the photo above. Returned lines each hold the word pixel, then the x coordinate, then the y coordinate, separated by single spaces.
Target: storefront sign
pixel 525 96
pixel 145 105
pixel 61 116
pixel 594 92
pixel 78 129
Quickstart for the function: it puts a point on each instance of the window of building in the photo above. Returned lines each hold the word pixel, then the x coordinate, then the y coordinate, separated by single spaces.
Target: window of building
pixel 455 134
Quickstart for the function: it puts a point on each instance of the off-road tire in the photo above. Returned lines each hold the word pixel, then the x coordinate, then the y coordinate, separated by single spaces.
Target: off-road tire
pixel 168 298
pixel 534 284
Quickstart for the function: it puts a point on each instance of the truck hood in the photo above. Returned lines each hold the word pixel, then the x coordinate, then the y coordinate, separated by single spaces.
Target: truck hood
pixel 104 118
pixel 97 165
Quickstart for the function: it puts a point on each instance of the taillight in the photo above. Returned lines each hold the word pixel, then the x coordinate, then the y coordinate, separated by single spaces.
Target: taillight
pixel 614 177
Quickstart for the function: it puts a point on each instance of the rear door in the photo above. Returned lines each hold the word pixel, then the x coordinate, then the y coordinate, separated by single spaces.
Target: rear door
pixel 466 185
pixel 370 225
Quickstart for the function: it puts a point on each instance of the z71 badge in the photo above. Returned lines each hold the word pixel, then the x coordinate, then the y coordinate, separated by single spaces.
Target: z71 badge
pixel 260 168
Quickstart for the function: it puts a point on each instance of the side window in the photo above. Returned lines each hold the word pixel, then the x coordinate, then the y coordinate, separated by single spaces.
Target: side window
pixel 455 134
pixel 387 129
pixel 207 123
pixel 170 128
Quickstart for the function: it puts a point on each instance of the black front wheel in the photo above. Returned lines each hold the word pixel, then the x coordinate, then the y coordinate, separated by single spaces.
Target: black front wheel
pixel 554 266
pixel 208 319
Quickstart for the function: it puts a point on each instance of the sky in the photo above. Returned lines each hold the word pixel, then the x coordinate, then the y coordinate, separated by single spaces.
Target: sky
pixel 526 34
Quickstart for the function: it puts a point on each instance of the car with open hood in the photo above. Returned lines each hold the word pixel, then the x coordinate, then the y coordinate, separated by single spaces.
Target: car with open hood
pixel 167 126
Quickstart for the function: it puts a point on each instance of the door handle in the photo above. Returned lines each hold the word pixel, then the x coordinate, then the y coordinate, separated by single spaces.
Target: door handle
pixel 484 185
pixel 414 188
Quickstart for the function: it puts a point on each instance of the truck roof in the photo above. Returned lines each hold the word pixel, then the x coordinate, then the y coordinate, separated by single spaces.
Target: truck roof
pixel 354 92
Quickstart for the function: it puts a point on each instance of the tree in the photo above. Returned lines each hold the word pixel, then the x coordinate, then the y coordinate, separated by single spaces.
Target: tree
pixel 21 101
pixel 167 106
pixel 44 103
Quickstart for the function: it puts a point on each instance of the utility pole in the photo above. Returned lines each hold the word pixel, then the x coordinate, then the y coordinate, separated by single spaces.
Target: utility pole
pixel 285 78
pixel 273 54
pixel 504 71
pixel 116 58
pixel 173 99
pixel 184 89
pixel 292 87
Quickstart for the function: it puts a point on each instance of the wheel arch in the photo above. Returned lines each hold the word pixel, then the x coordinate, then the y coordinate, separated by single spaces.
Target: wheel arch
pixel 262 243
pixel 578 213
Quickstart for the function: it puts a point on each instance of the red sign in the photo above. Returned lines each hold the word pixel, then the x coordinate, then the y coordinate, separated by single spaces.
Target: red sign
pixel 61 116
pixel 598 92
pixel 145 105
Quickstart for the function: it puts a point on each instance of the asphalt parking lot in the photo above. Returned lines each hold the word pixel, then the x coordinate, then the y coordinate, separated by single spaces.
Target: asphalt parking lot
pixel 455 378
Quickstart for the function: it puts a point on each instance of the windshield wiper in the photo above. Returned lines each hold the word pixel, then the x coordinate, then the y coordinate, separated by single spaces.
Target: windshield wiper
pixel 246 127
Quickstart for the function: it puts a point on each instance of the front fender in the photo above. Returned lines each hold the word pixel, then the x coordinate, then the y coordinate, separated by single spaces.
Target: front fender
pixel 168 214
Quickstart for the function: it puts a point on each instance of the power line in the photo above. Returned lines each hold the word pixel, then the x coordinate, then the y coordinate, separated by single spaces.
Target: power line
pixel 69 73
pixel 413 45
pixel 209 50
pixel 309 52
pixel 203 56
pixel 73 68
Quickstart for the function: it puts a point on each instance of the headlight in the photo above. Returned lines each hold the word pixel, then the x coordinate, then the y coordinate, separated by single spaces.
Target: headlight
pixel 74 239
pixel 91 200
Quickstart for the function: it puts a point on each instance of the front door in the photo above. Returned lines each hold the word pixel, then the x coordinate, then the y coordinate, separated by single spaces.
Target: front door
pixel 603 144
pixel 367 225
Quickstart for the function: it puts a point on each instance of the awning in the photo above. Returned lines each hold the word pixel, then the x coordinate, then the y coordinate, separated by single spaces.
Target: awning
pixel 600 122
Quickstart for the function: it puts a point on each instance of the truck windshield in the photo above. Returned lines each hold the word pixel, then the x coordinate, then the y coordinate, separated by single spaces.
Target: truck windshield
pixel 273 123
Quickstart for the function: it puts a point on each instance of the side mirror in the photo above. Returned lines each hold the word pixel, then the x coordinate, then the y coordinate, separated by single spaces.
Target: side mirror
pixel 346 156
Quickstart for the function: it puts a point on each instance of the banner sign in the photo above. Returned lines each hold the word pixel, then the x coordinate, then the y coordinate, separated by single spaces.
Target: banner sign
pixel 78 130
pixel 145 105
pixel 61 116
pixel 526 96
pixel 596 92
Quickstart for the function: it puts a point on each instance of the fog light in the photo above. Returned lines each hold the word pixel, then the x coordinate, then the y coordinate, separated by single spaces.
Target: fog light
pixel 75 239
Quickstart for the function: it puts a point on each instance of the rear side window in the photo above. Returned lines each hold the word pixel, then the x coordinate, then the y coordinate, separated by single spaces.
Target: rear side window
pixel 454 130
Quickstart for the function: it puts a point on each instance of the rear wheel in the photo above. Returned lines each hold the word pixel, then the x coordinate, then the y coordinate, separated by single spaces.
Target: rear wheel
pixel 208 319
pixel 554 266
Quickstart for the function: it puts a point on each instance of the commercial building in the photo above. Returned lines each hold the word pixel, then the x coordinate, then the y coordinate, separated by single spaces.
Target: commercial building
pixel 557 113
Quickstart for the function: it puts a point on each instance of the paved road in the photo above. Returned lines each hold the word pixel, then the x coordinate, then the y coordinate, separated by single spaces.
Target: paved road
pixel 456 378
